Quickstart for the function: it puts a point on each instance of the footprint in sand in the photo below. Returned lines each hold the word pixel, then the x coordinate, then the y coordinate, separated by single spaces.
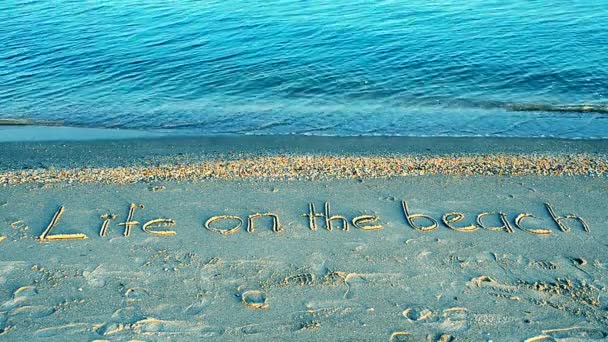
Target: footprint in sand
pixel 449 320
pixel 407 336
pixel 65 330
pixel 128 314
pixel 542 264
pixel 4 328
pixel 136 294
pixel 152 326
pixel 20 296
pixel 33 311
pixel 583 333
pixel 416 314
pixel 158 327
pixel 254 299
pixel 196 308
pixel 19 305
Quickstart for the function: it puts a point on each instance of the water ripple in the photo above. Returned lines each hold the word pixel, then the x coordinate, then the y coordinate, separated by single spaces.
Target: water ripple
pixel 317 67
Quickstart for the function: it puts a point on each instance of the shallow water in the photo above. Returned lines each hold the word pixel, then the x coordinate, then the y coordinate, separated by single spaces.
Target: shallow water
pixel 483 68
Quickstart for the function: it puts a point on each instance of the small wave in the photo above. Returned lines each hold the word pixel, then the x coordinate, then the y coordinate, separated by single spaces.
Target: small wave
pixel 16 122
pixel 579 108
pixel 514 106
pixel 452 117
pixel 27 122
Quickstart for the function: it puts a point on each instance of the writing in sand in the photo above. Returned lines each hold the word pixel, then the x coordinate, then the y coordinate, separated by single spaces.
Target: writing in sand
pixel 229 224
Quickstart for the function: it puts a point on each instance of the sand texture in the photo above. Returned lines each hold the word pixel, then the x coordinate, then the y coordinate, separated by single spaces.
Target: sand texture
pixel 318 167
pixel 206 267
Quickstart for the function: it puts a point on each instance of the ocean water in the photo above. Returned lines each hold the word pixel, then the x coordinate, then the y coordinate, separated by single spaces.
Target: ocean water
pixel 398 68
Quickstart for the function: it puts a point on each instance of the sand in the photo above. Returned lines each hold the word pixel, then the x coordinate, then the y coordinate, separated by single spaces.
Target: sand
pixel 295 282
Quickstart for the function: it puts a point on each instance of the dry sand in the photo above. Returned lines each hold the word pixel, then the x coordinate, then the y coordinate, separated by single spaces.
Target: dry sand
pixel 394 283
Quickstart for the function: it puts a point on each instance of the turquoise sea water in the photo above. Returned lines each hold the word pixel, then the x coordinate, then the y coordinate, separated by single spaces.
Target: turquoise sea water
pixel 474 68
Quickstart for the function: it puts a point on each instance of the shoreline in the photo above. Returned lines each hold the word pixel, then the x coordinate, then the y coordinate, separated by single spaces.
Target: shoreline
pixel 106 151
pixel 311 167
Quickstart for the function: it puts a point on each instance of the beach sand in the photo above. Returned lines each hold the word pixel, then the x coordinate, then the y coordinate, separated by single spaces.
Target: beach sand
pixel 382 280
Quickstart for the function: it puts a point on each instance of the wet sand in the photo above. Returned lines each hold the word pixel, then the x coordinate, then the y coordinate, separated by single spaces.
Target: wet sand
pixel 199 273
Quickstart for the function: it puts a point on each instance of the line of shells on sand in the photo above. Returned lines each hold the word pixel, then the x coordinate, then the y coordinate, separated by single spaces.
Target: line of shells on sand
pixel 323 167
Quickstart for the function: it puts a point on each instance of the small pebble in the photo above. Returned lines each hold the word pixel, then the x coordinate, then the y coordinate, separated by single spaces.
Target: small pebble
pixel 318 167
